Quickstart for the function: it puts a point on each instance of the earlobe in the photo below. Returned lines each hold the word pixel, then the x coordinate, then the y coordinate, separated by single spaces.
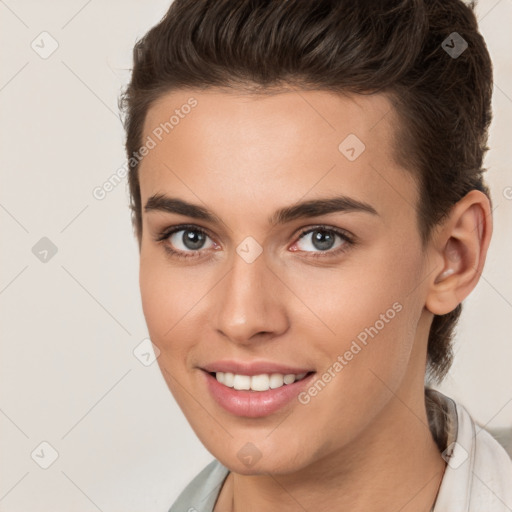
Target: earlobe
pixel 461 245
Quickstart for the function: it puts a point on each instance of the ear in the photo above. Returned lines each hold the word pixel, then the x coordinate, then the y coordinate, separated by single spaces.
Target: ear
pixel 459 248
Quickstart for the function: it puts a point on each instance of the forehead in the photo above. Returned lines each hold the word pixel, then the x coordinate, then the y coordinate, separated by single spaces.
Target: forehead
pixel 258 152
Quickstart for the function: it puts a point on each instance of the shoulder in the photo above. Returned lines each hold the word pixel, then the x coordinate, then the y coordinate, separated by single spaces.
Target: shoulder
pixel 202 492
pixel 478 474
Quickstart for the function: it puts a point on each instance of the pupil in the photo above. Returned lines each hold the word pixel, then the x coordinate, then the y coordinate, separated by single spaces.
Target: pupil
pixel 322 240
pixel 193 239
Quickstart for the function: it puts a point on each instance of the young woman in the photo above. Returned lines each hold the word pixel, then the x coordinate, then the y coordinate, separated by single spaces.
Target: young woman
pixel 307 193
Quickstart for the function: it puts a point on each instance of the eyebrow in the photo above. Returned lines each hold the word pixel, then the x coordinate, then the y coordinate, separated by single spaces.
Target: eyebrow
pixel 311 208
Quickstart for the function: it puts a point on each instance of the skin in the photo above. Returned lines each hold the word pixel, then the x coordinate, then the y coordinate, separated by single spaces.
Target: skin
pixel 363 442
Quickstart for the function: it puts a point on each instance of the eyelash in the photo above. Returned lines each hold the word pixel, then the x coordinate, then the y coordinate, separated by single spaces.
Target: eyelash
pixel 164 235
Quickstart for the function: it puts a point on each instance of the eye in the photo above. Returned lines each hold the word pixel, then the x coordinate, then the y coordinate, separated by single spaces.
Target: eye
pixel 323 239
pixel 180 240
pixel 189 241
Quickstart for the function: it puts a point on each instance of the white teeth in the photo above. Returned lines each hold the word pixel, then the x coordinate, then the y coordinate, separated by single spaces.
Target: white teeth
pixel 262 382
pixel 242 382
pixel 276 380
pixel 289 379
pixel 228 379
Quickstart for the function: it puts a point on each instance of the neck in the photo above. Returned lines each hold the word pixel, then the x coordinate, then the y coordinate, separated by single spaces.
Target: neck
pixel 397 469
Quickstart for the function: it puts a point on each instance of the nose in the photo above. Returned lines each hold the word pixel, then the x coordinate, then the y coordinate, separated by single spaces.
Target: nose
pixel 250 302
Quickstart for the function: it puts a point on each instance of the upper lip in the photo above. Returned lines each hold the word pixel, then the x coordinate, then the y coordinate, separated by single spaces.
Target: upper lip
pixel 253 368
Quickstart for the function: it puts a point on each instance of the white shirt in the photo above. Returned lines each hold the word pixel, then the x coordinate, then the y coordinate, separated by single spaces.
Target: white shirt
pixel 477 478
pixel 478 475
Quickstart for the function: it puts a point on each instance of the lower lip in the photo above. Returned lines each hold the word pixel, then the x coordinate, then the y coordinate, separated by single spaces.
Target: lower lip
pixel 254 404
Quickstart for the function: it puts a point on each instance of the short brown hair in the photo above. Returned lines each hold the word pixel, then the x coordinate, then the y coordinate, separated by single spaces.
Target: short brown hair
pixel 346 46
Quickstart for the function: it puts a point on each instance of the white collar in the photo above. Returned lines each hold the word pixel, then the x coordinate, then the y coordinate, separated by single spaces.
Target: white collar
pixel 478 475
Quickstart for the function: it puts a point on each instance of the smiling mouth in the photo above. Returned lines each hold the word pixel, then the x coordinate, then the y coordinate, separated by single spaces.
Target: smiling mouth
pixel 258 383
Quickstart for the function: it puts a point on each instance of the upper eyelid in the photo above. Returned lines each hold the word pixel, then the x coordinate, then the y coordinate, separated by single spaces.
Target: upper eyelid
pixel 325 227
pixel 166 232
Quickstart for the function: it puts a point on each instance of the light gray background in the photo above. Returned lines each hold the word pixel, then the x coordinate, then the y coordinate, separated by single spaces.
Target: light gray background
pixel 68 374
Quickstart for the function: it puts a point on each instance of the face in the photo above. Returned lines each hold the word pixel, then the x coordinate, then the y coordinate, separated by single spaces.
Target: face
pixel 238 278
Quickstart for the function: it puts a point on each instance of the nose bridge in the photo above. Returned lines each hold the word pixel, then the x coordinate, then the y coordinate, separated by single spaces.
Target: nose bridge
pixel 246 302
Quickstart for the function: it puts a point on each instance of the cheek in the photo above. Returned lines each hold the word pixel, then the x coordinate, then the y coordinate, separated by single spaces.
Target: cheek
pixel 163 303
pixel 156 299
pixel 173 299
pixel 368 304
pixel 165 306
pixel 372 317
pixel 167 293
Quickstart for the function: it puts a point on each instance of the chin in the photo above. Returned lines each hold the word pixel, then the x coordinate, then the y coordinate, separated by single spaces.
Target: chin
pixel 264 465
